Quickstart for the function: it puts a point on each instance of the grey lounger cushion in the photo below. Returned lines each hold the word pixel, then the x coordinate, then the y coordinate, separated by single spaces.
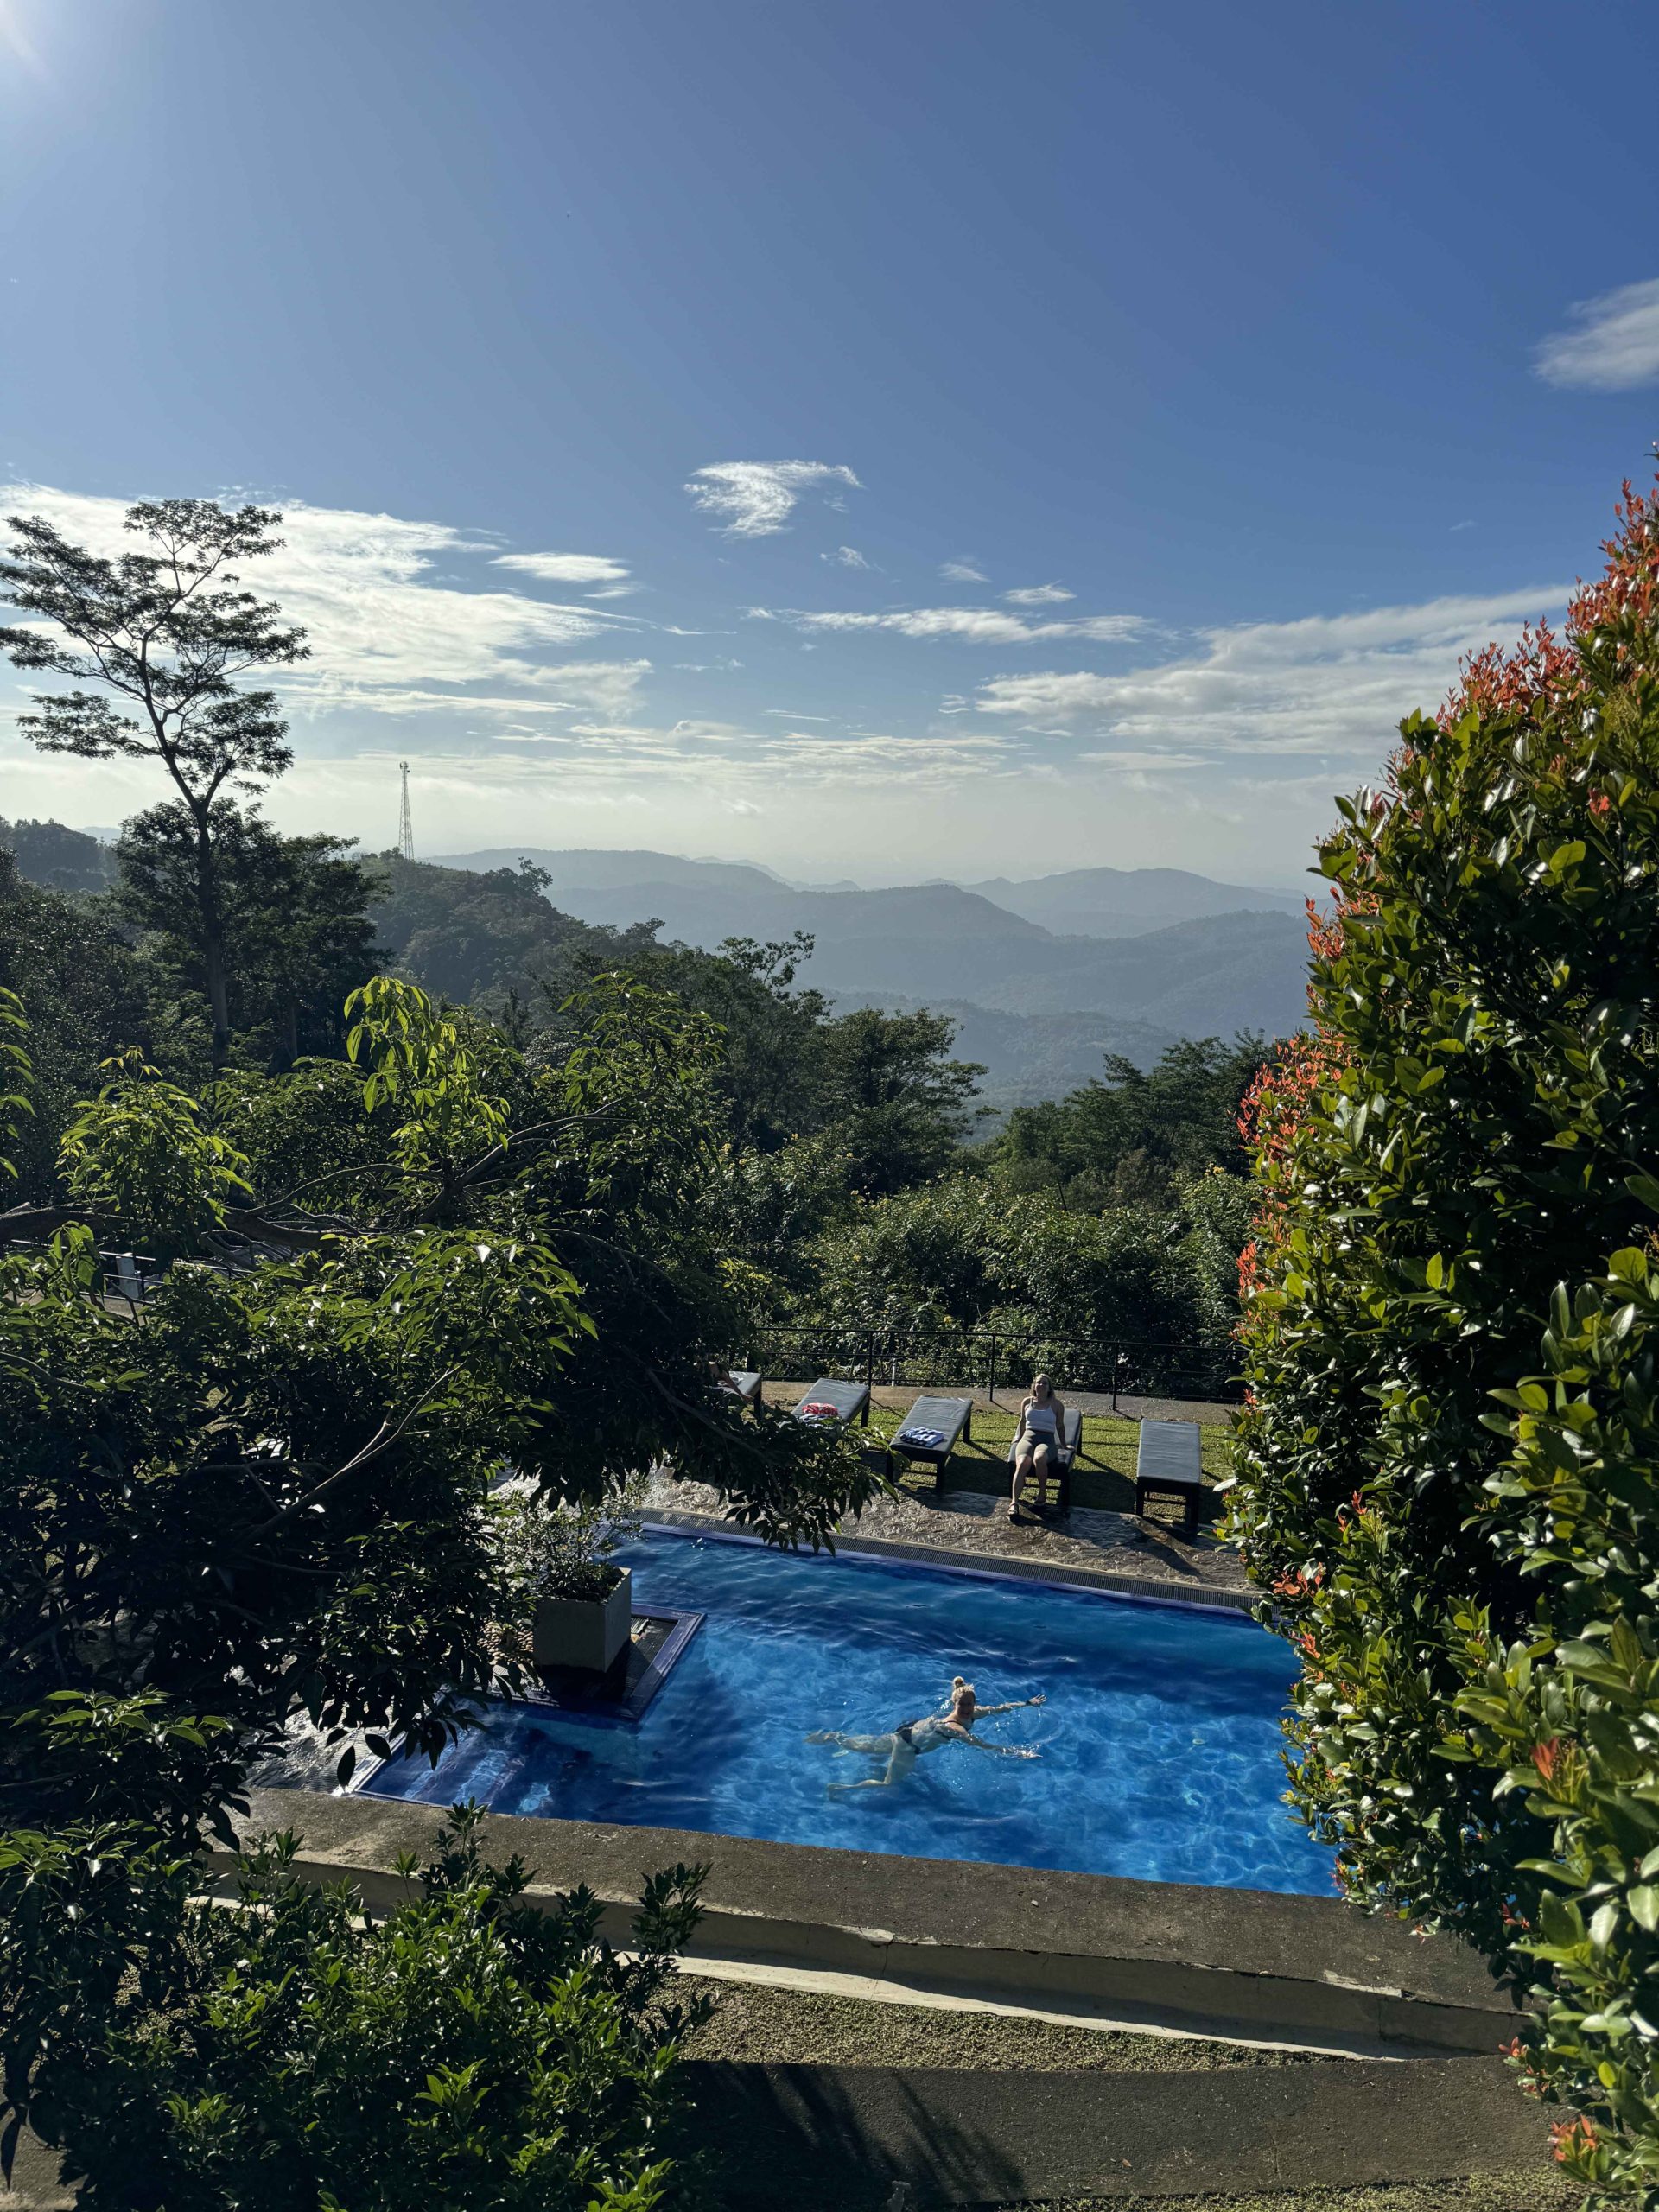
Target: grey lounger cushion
pixel 849 1399
pixel 1169 1452
pixel 950 1416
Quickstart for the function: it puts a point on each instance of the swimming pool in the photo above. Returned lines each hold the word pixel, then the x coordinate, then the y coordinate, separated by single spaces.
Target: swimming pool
pixel 1159 1741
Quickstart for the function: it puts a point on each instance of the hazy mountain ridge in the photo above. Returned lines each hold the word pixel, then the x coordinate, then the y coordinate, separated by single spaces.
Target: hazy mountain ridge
pixel 1127 902
pixel 1036 1006
pixel 1210 973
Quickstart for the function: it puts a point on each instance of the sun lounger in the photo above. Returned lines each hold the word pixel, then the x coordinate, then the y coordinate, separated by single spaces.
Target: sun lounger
pixel 1168 1480
pixel 125 1276
pixel 833 1404
pixel 743 1382
pixel 829 1401
pixel 932 1429
pixel 1071 1445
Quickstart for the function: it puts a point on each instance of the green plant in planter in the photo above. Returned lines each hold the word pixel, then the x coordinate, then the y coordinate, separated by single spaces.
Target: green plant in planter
pixel 547 1550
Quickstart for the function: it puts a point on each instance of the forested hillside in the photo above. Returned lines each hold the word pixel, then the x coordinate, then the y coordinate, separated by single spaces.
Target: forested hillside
pixel 862 1189
pixel 1157 947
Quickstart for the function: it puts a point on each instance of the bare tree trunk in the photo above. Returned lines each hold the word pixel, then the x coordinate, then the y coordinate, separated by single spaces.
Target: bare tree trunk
pixel 215 971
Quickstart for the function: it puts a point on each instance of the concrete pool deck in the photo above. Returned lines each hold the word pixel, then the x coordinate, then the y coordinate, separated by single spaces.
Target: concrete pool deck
pixel 1112 1551
pixel 1212 1962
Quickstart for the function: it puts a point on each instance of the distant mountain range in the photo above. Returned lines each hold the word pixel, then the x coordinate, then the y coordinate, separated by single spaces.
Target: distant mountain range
pixel 1127 901
pixel 1168 952
pixel 1042 976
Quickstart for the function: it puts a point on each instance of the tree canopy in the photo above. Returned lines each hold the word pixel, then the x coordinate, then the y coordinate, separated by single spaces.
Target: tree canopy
pixel 165 629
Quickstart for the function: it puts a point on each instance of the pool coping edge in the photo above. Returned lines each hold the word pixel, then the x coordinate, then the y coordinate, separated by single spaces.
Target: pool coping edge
pixel 1135 1589
pixel 1241 1963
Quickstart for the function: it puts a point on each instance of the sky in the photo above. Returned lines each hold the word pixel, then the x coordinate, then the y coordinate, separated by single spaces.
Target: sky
pixel 960 438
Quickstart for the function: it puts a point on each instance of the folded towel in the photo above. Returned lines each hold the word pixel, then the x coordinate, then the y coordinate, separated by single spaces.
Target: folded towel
pixel 926 1439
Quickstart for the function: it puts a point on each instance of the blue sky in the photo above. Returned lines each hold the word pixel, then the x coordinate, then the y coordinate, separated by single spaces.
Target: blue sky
pixel 885 440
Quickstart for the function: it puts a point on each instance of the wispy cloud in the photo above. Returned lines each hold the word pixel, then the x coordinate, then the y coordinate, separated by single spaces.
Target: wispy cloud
pixel 1329 684
pixel 1039 595
pixel 565 568
pixel 846 556
pixel 964 572
pixel 722 756
pixel 984 626
pixel 572 685
pixel 755 498
pixel 384 635
pixel 1613 344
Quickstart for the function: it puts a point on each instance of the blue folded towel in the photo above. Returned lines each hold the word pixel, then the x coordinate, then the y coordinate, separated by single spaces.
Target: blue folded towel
pixel 928 1439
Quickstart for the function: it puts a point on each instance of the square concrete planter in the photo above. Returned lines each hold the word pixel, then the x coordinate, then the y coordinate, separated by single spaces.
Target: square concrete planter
pixel 587 1632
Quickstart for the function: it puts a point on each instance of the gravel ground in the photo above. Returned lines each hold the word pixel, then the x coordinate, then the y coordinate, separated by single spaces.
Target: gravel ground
pixel 797 2027
pixel 1540 2189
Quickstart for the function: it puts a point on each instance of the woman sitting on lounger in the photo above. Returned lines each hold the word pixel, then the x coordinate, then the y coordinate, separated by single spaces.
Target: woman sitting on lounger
pixel 1037 1441
pixel 902 1746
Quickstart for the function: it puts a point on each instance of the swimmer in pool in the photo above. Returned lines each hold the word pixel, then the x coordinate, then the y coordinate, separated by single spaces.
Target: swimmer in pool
pixel 902 1746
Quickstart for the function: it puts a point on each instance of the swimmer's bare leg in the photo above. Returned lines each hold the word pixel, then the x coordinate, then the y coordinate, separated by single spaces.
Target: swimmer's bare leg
pixel 904 1758
pixel 872 1747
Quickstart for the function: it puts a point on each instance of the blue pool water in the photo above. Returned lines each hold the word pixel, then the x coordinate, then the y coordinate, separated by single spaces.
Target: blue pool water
pixel 1159 1741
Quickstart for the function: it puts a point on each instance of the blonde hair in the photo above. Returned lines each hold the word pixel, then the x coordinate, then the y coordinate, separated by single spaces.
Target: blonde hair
pixel 960 1689
pixel 1041 1381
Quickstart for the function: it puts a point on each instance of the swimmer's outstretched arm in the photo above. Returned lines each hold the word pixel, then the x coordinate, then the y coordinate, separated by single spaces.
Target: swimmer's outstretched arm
pixel 997 1751
pixel 981 1711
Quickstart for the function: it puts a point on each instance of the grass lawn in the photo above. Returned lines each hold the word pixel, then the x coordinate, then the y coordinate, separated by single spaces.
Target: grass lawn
pixel 1104 1476
pixel 762 2025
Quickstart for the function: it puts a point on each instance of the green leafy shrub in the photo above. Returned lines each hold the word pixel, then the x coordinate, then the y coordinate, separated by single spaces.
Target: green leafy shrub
pixel 466 2050
pixel 1445 1477
pixel 966 1254
pixel 137 1154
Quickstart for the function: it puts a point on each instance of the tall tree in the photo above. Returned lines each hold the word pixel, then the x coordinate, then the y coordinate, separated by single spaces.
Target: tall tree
pixel 896 1100
pixel 291 917
pixel 166 630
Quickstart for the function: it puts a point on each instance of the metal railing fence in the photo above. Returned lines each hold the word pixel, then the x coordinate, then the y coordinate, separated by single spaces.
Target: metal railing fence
pixel 996 1357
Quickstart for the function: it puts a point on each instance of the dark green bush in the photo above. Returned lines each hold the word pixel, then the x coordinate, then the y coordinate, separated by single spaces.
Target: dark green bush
pixel 467 2050
pixel 1446 1478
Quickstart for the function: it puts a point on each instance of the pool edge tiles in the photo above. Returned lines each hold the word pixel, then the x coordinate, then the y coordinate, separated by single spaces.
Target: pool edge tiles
pixel 937 1559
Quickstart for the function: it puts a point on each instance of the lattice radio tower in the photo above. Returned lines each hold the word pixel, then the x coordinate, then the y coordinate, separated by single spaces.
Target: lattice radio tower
pixel 406 825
